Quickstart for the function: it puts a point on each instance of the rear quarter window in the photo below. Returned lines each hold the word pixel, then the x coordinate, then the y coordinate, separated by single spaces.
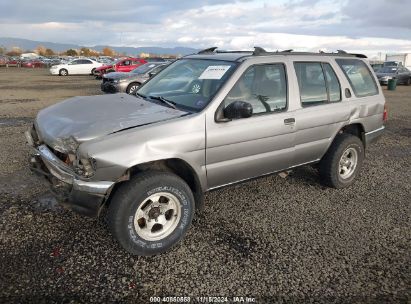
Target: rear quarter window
pixel 359 76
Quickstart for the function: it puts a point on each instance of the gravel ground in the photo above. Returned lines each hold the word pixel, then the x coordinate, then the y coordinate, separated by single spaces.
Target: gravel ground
pixel 274 239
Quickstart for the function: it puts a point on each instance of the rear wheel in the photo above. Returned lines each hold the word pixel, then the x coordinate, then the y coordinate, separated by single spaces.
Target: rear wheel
pixel 342 162
pixel 132 88
pixel 63 72
pixel 92 71
pixel 151 213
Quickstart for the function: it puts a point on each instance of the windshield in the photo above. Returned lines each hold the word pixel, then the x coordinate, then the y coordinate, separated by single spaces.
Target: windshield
pixel 189 83
pixel 390 63
pixel 142 69
pixel 387 70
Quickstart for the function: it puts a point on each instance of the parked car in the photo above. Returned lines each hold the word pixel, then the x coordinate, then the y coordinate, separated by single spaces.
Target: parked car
pixel 206 121
pixel 82 66
pixel 392 64
pixel 376 66
pixel 116 82
pixel 124 65
pixel 3 60
pixel 13 62
pixel 35 63
pixel 403 75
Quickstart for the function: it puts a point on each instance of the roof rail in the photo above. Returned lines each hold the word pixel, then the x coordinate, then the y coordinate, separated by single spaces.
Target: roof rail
pixel 209 50
pixel 259 51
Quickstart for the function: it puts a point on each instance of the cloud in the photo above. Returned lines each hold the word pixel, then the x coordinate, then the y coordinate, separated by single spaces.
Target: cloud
pixel 395 14
pixel 367 25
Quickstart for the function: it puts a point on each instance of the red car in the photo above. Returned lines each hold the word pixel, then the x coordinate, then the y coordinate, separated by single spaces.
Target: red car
pixel 124 65
pixel 13 62
pixel 32 64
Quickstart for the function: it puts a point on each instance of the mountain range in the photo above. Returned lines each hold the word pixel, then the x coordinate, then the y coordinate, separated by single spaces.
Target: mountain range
pixel 26 44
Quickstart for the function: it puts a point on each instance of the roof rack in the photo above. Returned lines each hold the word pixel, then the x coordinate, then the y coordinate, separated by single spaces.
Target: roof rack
pixel 209 50
pixel 259 51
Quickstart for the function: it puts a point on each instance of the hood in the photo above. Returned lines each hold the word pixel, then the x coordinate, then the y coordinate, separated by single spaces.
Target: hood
pixel 88 117
pixel 119 75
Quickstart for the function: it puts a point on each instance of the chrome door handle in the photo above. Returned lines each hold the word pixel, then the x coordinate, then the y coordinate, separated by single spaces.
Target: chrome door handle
pixel 289 121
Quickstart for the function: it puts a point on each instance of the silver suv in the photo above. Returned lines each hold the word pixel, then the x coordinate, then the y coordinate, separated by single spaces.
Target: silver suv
pixel 206 121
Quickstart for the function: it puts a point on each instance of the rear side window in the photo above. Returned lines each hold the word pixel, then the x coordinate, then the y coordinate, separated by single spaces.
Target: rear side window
pixel 317 82
pixel 359 76
pixel 334 88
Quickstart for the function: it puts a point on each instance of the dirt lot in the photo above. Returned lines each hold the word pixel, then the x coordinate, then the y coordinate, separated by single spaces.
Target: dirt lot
pixel 274 239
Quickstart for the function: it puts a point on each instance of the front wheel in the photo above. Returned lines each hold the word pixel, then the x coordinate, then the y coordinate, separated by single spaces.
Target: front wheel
pixel 63 72
pixel 343 161
pixel 132 88
pixel 151 213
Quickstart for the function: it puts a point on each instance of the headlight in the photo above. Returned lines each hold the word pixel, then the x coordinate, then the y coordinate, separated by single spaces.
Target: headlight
pixel 119 80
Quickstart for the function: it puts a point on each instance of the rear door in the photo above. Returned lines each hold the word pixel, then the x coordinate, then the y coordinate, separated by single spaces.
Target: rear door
pixel 321 111
pixel 135 63
pixel 404 75
pixel 86 66
pixel 263 143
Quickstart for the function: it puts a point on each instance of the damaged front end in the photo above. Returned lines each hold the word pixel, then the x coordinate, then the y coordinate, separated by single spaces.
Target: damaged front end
pixel 68 174
pixel 66 149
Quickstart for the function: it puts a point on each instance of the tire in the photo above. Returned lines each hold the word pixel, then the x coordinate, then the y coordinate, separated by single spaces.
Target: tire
pixel 63 72
pixel 343 161
pixel 132 87
pixel 134 207
pixel 92 71
pixel 408 82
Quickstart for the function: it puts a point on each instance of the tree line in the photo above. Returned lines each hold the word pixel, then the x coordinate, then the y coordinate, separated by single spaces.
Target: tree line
pixel 43 51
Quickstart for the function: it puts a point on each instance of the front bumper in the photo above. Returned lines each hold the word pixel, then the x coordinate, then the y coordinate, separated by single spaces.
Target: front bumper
pixel 373 136
pixel 110 87
pixel 82 196
pixel 54 71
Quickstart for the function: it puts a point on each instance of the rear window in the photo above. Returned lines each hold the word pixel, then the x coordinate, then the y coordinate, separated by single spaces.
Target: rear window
pixel 359 76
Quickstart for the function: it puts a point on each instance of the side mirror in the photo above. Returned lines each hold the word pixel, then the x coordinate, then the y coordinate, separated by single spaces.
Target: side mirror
pixel 238 109
pixel 151 74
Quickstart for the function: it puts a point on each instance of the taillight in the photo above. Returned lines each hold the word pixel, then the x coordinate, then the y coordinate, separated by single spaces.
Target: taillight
pixel 385 114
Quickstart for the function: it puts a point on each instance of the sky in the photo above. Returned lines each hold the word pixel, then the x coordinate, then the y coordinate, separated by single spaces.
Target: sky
pixel 366 26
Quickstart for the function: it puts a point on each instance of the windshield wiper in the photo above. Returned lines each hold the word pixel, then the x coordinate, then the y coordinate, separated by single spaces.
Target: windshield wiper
pixel 170 103
pixel 141 95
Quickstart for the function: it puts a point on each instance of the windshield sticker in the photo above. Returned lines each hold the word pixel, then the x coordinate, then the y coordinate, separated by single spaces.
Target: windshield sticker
pixel 214 72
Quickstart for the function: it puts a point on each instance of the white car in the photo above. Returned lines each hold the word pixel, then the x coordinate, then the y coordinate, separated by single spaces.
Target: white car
pixel 82 66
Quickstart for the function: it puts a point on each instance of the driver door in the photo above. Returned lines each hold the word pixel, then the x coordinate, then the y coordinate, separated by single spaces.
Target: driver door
pixel 261 144
pixel 124 66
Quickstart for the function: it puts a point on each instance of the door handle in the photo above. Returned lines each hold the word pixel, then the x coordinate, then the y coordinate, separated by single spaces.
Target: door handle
pixel 289 121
